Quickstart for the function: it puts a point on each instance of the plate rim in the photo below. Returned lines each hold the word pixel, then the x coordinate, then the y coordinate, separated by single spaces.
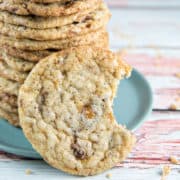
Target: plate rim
pixel 149 108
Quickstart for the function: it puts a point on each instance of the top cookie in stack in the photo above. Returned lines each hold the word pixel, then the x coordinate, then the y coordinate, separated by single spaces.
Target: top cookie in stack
pixel 32 29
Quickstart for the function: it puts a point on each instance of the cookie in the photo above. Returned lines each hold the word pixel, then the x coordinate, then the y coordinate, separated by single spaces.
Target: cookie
pixel 7 107
pixel 49 1
pixel 17 64
pixel 96 20
pixel 12 118
pixel 8 98
pixel 65 111
pixel 98 38
pixel 51 9
pixel 8 86
pixel 9 73
pixel 33 56
pixel 37 22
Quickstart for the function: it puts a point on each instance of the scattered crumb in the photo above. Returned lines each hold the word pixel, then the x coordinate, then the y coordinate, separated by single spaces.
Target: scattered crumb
pixel 165 172
pixel 28 171
pixel 108 176
pixel 173 107
pixel 173 160
pixel 178 75
pixel 177 99
pixel 122 52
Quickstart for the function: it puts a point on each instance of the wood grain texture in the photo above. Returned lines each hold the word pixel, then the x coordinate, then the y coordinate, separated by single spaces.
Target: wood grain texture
pixel 144 3
pixel 145 28
pixel 161 68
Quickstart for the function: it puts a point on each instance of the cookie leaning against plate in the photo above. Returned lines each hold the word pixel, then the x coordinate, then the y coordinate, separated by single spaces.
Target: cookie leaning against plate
pixel 8 86
pixel 65 111
pixel 51 9
pixel 95 21
pixel 32 56
pixel 98 38
pixel 17 64
pixel 37 22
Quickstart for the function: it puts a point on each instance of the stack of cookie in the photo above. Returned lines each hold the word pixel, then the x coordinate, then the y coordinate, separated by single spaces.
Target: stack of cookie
pixel 32 29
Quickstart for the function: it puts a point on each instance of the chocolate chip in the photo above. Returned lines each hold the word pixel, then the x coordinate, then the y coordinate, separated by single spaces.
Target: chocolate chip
pixel 69 3
pixel 78 152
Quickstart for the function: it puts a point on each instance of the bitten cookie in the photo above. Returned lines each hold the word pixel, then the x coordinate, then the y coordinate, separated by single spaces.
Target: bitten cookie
pixel 65 110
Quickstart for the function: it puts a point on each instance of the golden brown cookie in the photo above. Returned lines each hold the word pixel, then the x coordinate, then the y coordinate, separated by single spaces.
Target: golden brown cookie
pixel 51 9
pixel 9 73
pixel 65 110
pixel 96 20
pixel 33 56
pixel 37 22
pixel 8 86
pixel 17 64
pixel 98 38
pixel 12 118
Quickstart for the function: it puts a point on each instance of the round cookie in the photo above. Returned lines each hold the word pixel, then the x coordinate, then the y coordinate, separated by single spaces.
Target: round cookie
pixel 7 107
pixel 98 38
pixel 96 20
pixel 37 22
pixel 9 73
pixel 8 86
pixel 33 56
pixel 17 63
pixel 65 110
pixel 50 1
pixel 12 118
pixel 51 9
pixel 9 98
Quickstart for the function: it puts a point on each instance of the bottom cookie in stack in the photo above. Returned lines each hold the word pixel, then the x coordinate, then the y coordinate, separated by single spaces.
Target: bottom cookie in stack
pixel 19 56
pixel 8 108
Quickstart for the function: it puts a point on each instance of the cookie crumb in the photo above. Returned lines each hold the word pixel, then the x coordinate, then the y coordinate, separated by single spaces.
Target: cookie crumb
pixel 28 171
pixel 177 99
pixel 165 172
pixel 178 75
pixel 174 160
pixel 108 176
pixel 173 107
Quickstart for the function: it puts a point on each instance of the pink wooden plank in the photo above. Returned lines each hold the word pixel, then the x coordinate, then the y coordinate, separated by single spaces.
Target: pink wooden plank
pixel 157 141
pixel 144 28
pixel 153 64
pixel 144 3
pixel 162 69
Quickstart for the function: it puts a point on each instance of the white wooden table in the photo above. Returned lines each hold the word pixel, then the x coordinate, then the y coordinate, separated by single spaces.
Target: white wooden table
pixel 147 34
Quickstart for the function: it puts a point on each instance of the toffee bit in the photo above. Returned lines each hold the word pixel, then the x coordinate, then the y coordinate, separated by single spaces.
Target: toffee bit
pixel 178 75
pixel 173 107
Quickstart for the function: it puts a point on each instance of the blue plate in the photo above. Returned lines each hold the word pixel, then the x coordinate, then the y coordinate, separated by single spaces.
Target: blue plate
pixel 131 106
